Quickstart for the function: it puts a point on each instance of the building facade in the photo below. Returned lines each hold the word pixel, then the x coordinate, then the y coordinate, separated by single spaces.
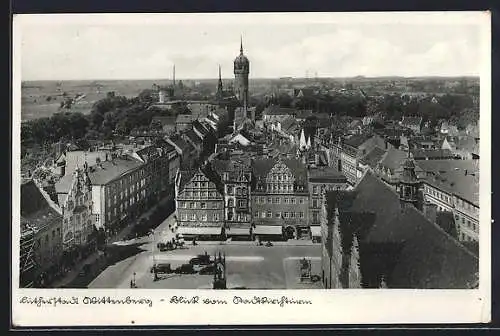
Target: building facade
pixel 321 180
pixel 236 178
pixel 78 220
pixel 120 187
pixel 280 196
pixel 199 204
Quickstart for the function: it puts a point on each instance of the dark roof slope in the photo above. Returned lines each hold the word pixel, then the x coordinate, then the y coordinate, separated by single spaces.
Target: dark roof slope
pixel 421 254
pixel 35 208
pixel 111 170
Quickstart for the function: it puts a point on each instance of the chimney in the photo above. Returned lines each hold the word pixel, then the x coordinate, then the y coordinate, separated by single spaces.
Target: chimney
pixel 430 211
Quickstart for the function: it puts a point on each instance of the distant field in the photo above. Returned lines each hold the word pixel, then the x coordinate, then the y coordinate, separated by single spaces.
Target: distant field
pixel 34 94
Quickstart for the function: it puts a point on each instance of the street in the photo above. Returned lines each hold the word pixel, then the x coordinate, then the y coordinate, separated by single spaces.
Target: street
pixel 248 265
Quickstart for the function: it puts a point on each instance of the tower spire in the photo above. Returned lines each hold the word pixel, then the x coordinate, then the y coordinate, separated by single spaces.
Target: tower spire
pixel 173 75
pixel 241 44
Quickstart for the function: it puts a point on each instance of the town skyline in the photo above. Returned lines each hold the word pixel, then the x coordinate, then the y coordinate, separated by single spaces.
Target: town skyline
pixel 104 49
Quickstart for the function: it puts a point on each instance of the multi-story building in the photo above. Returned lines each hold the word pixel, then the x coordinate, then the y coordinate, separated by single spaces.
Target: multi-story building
pixel 186 151
pixel 120 187
pixel 322 180
pixel 45 218
pixel 199 198
pixel 280 197
pixel 159 158
pixel 74 193
pixel 453 186
pixel 236 177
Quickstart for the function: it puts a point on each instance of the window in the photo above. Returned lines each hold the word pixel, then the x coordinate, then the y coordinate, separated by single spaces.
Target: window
pixel 205 194
pixel 230 202
pixel 277 214
pixel 204 217
pixel 203 205
pixel 263 214
pixel 191 205
pixel 294 201
pixel 468 224
pixel 463 221
pixel 315 189
pixel 196 193
pixel 286 200
pixel 193 217
pixel 216 217
pixel 229 215
pixel 238 191
pixel 292 214
pixel 242 203
pixel 262 200
pixel 285 215
pixel 315 203
pixel 184 217
pixel 204 184
pixel 230 190
pixel 301 214
pixel 301 201
pixel 269 214
pixel 256 214
pixel 269 200
pixel 278 200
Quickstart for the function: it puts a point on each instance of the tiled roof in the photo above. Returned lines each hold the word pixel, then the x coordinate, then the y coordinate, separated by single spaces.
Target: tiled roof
pixel 184 119
pixel 277 110
pixel 113 169
pixel 373 157
pixel 326 175
pixel 185 146
pixel 449 176
pixel 303 114
pixel 288 123
pixel 191 135
pixel 164 120
pixel 356 140
pixel 78 158
pixel 393 159
pixel 186 176
pixel 432 153
pixel 412 121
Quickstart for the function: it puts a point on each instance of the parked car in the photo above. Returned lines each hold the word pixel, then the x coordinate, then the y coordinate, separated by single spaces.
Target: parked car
pixel 185 269
pixel 201 259
pixel 208 270
pixel 162 268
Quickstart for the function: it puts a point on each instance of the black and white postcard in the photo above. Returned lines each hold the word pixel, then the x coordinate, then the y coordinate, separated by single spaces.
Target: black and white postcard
pixel 235 169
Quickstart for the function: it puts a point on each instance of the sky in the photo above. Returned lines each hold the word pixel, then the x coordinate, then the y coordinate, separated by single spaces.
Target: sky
pixel 78 47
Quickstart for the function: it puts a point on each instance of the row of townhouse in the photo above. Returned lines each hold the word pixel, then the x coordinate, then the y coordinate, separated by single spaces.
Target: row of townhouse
pixel 275 198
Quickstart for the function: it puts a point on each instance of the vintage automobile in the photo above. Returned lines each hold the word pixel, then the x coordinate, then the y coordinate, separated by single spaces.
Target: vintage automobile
pixel 201 259
pixel 185 269
pixel 161 268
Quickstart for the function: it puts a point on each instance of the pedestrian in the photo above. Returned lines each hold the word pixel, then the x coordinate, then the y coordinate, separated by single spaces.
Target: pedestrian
pixel 131 283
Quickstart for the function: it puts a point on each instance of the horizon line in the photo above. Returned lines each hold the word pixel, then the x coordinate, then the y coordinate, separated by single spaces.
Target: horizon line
pixel 254 78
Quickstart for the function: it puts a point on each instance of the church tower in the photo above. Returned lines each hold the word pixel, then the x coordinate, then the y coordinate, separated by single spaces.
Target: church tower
pixel 241 71
pixel 220 89
pixel 409 184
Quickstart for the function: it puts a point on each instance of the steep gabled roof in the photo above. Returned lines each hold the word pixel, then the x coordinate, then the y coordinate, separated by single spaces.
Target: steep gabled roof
pixel 415 252
pixel 36 208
